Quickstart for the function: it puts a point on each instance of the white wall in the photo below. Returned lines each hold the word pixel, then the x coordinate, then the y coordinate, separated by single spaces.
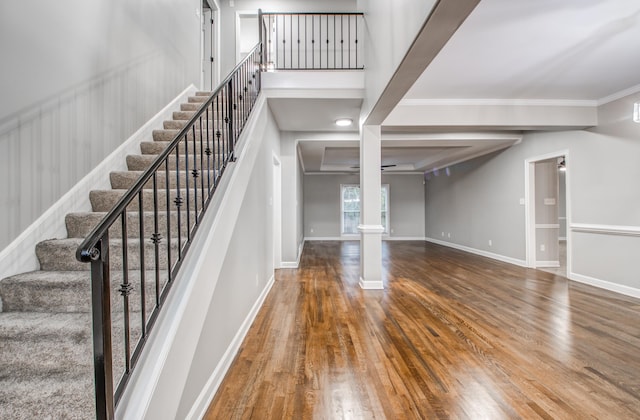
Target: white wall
pixel 390 28
pixel 247 268
pixel 228 19
pixel 480 200
pixel 219 290
pixel 78 78
pixel 322 205
pixel 292 205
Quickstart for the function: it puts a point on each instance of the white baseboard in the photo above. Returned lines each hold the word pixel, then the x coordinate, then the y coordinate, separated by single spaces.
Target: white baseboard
pixel 296 263
pixel 331 238
pixel 20 256
pixel 547 264
pixel 371 285
pixel 201 404
pixel 607 285
pixel 510 260
pixel 403 238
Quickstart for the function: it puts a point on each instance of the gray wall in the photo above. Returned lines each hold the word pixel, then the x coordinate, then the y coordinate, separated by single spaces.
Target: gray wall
pixel 322 204
pixel 78 78
pixel 228 19
pixel 480 200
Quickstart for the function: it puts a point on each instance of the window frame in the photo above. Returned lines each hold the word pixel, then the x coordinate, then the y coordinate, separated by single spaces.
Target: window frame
pixel 386 210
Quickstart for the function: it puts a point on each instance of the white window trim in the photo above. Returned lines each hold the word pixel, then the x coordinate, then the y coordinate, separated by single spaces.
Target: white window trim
pixel 387 210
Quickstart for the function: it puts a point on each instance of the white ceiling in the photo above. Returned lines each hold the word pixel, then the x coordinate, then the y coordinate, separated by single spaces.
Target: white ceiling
pixel 538 49
pixel 579 50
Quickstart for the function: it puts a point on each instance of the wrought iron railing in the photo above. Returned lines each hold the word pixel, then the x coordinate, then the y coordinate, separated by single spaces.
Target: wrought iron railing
pixel 312 41
pixel 138 247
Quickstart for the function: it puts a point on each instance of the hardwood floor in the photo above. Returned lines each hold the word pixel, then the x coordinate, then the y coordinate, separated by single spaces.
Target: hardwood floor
pixel 453 335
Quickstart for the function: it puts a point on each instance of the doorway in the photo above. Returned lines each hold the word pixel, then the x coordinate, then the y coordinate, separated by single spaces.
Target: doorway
pixel 548 213
pixel 210 47
pixel 247 34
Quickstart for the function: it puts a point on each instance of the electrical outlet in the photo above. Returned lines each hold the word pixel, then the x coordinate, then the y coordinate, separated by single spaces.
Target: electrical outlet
pixel 448 234
pixel 543 248
pixel 443 234
pixel 311 230
pixel 490 242
pixel 391 230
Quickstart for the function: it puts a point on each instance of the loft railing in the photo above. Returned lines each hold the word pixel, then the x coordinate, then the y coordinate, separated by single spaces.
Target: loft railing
pixel 138 247
pixel 311 41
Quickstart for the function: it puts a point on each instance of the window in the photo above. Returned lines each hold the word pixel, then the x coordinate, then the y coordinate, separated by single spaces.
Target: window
pixel 350 208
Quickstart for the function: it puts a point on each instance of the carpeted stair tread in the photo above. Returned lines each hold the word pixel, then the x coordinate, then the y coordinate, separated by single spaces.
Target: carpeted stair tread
pixel 200 148
pixel 169 134
pixel 47 397
pixel 67 291
pixel 59 254
pixel 44 291
pixel 197 99
pixel 122 180
pixel 105 200
pixel 57 342
pixel 142 162
pixel 79 225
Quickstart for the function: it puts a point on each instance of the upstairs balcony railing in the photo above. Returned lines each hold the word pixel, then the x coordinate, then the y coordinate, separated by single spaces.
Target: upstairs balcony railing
pixel 312 41
pixel 138 247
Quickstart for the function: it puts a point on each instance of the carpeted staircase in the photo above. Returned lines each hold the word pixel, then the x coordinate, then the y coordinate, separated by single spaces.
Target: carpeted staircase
pixel 46 356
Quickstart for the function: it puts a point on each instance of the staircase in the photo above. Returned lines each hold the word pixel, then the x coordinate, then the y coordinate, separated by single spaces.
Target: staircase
pixel 46 350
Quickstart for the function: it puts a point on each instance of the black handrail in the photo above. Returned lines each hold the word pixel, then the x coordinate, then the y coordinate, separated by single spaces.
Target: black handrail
pixel 311 40
pixel 212 131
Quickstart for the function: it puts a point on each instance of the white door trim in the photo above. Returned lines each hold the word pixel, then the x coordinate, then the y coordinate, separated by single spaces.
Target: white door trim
pixel 530 208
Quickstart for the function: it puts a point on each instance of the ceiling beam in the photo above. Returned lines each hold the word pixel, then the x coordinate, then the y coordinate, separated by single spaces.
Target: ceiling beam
pixel 444 20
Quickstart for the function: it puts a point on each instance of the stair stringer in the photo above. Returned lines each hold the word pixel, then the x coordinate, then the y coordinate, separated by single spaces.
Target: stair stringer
pixel 19 256
pixel 166 363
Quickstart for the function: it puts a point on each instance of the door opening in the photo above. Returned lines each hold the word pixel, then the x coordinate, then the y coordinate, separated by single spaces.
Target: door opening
pixel 548 213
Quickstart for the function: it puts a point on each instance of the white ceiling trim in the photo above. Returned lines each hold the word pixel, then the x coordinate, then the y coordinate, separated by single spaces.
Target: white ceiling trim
pixel 500 102
pixel 619 95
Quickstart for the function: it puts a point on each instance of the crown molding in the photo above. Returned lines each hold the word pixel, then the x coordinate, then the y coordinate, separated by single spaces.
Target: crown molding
pixel 499 102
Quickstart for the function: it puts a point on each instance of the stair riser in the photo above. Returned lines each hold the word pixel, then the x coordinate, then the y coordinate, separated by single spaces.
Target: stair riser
pixel 169 135
pixel 76 297
pixel 80 225
pixel 72 354
pixel 213 116
pixel 142 162
pixel 157 147
pixel 180 124
pixel 104 201
pixel 125 180
pixel 57 256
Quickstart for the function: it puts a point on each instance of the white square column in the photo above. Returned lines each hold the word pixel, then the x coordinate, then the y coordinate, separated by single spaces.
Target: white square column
pixel 370 227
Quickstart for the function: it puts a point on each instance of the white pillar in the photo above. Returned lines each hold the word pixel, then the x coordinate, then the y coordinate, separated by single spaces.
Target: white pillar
pixel 370 224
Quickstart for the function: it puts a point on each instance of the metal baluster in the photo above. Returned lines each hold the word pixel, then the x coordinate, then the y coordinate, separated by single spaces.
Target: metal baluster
pixel 195 173
pixel 178 202
pixel 156 238
pixel 186 185
pixel 356 47
pixel 168 200
pixel 143 303
pixel 125 290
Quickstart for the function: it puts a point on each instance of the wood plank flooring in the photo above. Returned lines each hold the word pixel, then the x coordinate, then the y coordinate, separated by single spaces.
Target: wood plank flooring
pixel 453 335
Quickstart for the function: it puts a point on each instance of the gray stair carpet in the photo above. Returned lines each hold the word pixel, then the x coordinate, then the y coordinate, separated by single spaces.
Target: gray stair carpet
pixel 46 350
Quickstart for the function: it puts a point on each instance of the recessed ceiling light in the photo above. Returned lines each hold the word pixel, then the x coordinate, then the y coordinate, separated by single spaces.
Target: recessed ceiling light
pixel 344 122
